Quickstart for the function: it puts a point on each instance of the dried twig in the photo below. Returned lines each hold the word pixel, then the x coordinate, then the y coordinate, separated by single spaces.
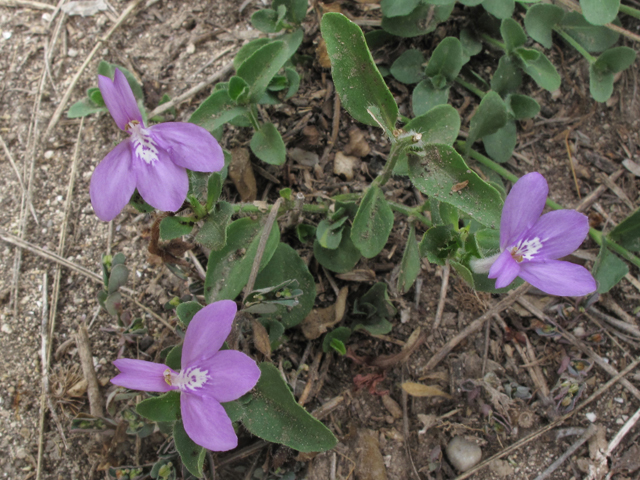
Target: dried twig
pixel 266 231
pixel 311 378
pixel 96 404
pixel 590 432
pixel 529 438
pixel 15 169
pixel 443 294
pixel 476 325
pixel 405 428
pixel 26 4
pixel 587 201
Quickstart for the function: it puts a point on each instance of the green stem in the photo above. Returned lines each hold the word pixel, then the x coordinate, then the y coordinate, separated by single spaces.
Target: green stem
pixel 627 10
pixel 497 43
pixel 396 148
pixel 596 235
pixel 414 212
pixel 570 40
pixel 472 88
pixel 253 117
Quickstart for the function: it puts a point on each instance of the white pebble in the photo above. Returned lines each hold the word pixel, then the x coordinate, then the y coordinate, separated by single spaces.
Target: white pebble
pixel 591 417
pixel 463 454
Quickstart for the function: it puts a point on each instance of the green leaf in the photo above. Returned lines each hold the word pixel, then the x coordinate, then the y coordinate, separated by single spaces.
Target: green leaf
pixel 112 303
pixel 238 90
pixel 420 21
pixel 191 454
pixel 499 8
pixel 174 227
pixel 507 77
pixel 377 307
pixel 425 97
pixel 249 49
pixel 438 243
pixel 174 357
pixel 500 145
pixel 627 233
pixel 408 68
pixel 436 174
pixel 186 311
pixel 447 59
pixel 329 234
pixel 600 12
pixel 356 77
pixel 274 328
pixel 217 110
pixel 608 269
pixel 273 414
pixel 340 260
pixel 410 264
pixel 490 117
pixel 443 213
pixel 213 234
pixel 540 20
pixel 266 20
pixel 164 408
pixel 523 106
pixel 305 233
pixel 470 44
pixel 214 189
pixel 286 264
pixel 84 107
pixel 512 34
pixel 593 38
pixel 396 8
pixel 268 146
pixel 341 334
pixel 95 95
pixel 602 72
pixel 482 282
pixel 441 124
pixel 294 82
pixel 296 9
pixel 262 66
pixel 117 277
pixel 228 269
pixel 373 223
pixel 539 68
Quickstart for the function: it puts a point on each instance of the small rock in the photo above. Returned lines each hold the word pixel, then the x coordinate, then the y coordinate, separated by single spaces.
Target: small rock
pixel 72 52
pixel 48 154
pixel 191 48
pixel 463 454
pixel 21 453
pixel 6 328
pixel 591 417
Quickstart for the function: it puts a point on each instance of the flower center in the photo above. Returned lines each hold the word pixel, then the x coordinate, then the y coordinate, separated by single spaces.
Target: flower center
pixel 143 145
pixel 526 249
pixel 191 378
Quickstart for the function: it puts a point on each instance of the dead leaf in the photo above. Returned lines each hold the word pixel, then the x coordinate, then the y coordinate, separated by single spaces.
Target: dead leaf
pixel 241 173
pixel 632 166
pixel 359 275
pixel 78 390
pixel 321 319
pixel 459 186
pixel 331 7
pixel 303 157
pixel 392 406
pixel 427 421
pixel 357 145
pixel 322 55
pixel 345 165
pixel 261 338
pixel 369 462
pixel 421 390
pixel 416 339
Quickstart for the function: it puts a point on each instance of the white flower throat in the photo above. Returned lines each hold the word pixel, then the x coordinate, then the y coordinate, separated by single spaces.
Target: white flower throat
pixel 526 249
pixel 143 145
pixel 189 379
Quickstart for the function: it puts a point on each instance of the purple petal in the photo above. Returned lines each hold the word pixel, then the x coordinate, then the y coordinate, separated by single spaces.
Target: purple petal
pixel 207 423
pixel 207 331
pixel 113 182
pixel 118 97
pixel 232 374
pixel 504 270
pixel 560 278
pixel 141 375
pixel 522 208
pixel 162 183
pixel 561 233
pixel 189 146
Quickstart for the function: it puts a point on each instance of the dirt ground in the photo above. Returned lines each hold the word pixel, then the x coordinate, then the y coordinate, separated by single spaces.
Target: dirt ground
pixel 172 46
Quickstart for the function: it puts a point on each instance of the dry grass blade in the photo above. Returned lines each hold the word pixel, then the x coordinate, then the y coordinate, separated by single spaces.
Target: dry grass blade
pixel 27 4
pixel 443 294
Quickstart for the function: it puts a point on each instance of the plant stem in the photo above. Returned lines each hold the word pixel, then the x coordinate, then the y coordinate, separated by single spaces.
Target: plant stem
pixel 596 235
pixel 570 40
pixel 497 43
pixel 627 10
pixel 396 148
pixel 253 117
pixel 472 88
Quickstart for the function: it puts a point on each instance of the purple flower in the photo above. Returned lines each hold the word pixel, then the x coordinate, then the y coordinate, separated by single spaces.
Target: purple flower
pixel 208 377
pixel 153 159
pixel 530 244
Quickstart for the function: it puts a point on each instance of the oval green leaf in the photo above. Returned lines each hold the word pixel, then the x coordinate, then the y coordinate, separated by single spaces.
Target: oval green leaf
pixel 373 223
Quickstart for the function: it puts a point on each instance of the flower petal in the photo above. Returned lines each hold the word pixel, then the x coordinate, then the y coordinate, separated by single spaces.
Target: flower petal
pixel 141 375
pixel 561 233
pixel 504 270
pixel 207 423
pixel 522 208
pixel 162 183
pixel 556 277
pixel 189 146
pixel 118 97
pixel 113 182
pixel 232 374
pixel 207 331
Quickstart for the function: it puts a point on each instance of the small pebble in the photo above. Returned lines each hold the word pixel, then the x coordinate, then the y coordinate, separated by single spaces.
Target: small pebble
pixel 591 417
pixel 463 454
pixel 6 328
pixel 72 52
pixel 48 154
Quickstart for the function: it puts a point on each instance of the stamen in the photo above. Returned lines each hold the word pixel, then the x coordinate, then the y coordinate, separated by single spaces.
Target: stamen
pixel 167 376
pixel 143 145
pixel 192 379
pixel 526 249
